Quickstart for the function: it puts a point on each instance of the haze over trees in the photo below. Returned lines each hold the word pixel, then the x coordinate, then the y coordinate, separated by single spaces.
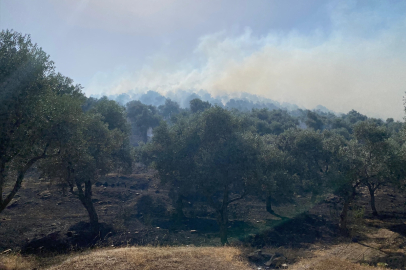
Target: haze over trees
pixel 216 153
pixel 330 154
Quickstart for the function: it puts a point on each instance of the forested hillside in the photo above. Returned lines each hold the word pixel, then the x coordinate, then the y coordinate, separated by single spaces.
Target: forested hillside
pixel 217 171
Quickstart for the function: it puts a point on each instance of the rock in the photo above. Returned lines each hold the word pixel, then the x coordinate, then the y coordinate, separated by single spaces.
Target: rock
pixel 44 195
pixel 193 231
pixel 14 204
pixel 266 255
pixel 256 256
pixel 276 261
pixel 6 251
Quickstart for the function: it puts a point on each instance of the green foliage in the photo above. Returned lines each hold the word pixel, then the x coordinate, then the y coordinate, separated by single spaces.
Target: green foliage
pixel 278 178
pixel 113 114
pixel 314 121
pixel 353 117
pixel 36 108
pixel 197 105
pixel 142 117
pixel 169 109
pixel 92 150
pixel 272 122
pixel 207 152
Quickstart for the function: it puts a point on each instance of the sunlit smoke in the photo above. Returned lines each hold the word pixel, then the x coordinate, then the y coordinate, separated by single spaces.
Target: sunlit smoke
pixel 360 64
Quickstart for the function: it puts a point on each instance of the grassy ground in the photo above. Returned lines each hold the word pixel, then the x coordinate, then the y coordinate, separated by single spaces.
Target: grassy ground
pixel 167 258
pixel 171 258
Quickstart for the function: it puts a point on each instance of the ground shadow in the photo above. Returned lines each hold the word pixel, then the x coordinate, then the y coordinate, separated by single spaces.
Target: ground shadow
pixel 296 232
pixel 204 225
pixel 400 229
pixel 78 237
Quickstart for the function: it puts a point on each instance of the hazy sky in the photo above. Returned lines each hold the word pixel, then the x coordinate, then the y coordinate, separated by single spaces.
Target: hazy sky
pixel 341 54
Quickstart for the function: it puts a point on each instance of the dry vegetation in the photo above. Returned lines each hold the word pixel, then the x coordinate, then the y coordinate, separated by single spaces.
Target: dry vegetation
pixel 158 258
pixel 331 263
pixel 16 262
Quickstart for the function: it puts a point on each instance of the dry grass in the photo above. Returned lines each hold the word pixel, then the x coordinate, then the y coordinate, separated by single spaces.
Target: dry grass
pixel 16 262
pixel 155 258
pixel 331 263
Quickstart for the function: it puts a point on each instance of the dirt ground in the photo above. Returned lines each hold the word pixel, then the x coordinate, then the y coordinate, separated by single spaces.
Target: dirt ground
pixel 137 210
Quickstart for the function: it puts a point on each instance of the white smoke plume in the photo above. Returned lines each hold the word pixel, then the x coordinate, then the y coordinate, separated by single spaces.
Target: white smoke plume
pixel 360 64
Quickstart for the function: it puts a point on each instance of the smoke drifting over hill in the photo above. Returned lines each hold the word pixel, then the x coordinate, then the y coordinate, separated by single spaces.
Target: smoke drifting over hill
pixel 359 64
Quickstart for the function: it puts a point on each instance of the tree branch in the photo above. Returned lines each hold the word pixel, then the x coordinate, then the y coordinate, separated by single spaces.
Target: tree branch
pixel 19 180
pixel 238 198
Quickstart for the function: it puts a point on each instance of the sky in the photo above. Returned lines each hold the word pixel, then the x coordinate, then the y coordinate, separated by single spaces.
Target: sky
pixel 340 54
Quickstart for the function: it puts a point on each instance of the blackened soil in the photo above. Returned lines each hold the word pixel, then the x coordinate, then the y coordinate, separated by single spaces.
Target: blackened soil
pixel 137 210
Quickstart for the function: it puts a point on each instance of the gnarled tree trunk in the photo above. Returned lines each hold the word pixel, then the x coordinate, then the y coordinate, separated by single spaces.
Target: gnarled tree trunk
pixel 372 197
pixel 344 213
pixel 86 199
pixel 19 180
pixel 222 212
pixel 222 221
pixel 269 207
pixel 179 207
pixel 222 216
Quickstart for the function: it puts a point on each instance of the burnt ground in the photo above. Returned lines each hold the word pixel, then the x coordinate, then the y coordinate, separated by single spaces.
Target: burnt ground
pixel 137 210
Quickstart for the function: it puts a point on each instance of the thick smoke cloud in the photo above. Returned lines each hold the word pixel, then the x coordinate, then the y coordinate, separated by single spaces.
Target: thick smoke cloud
pixel 360 64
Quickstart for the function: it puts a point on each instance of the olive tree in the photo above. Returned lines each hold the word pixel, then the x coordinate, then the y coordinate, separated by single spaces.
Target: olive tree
pixel 175 149
pixel 278 179
pixel 34 102
pixel 91 151
pixel 142 117
pixel 211 154
pixel 378 156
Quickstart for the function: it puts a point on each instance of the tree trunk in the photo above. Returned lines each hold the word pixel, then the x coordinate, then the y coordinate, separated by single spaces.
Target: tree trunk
pixel 2 180
pixel 222 221
pixel 372 195
pixel 344 217
pixel 269 208
pixel 179 208
pixel 269 204
pixel 344 213
pixel 17 185
pixel 222 218
pixel 86 199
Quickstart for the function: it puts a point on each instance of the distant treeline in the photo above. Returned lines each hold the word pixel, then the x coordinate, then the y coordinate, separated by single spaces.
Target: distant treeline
pixel 261 117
